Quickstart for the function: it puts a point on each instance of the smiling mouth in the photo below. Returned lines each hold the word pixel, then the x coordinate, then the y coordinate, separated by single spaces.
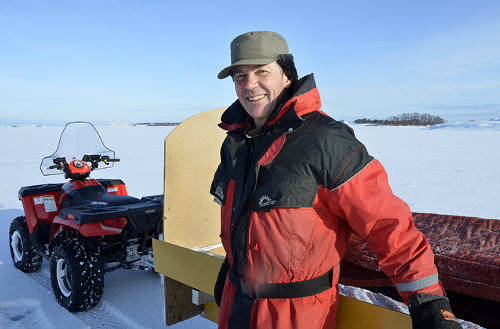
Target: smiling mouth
pixel 256 98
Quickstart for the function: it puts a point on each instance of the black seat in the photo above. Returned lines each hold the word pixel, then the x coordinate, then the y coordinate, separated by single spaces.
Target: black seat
pixel 96 195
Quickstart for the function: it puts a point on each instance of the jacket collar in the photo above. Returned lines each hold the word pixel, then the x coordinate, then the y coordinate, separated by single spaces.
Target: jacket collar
pixel 303 100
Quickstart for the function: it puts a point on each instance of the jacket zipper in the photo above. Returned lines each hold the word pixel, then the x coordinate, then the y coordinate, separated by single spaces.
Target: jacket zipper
pixel 241 224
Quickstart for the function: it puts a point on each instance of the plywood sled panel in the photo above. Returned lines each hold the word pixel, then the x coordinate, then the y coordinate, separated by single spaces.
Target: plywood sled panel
pixel 192 154
pixel 355 314
pixel 193 268
pixel 178 305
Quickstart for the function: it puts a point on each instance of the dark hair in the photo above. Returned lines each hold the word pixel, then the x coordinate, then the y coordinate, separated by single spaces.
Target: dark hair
pixel 285 61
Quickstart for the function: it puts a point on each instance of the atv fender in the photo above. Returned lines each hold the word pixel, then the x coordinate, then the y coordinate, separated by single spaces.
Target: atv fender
pixel 87 230
pixel 30 213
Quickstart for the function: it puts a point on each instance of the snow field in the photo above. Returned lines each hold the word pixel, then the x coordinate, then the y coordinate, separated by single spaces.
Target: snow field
pixel 446 171
pixel 452 169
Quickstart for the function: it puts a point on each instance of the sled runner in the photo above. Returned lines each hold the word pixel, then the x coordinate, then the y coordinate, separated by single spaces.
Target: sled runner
pixel 190 255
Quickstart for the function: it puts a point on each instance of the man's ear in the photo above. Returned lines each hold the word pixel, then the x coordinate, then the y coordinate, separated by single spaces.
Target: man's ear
pixel 288 81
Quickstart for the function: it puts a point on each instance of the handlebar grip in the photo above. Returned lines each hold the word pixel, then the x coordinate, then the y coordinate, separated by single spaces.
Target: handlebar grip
pixel 113 160
pixel 53 167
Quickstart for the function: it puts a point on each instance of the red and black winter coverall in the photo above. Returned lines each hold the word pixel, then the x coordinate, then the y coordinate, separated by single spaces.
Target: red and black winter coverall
pixel 291 198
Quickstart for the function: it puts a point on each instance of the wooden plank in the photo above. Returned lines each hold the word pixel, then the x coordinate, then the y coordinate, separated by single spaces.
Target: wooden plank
pixel 212 311
pixel 192 268
pixel 192 154
pixel 355 314
pixel 178 306
pixel 218 251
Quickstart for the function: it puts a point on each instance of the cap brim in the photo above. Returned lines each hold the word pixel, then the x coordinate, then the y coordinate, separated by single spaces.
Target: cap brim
pixel 249 61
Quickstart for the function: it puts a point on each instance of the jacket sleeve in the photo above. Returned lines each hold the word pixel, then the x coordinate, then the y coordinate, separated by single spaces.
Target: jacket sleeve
pixel 366 202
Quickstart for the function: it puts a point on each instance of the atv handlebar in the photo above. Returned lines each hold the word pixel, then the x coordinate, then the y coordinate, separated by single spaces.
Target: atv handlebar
pixel 106 159
pixel 59 163
pixel 94 159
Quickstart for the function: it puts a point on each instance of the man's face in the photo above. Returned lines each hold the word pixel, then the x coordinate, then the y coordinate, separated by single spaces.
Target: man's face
pixel 258 87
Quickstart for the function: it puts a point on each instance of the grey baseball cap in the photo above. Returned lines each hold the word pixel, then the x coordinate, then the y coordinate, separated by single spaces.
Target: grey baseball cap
pixel 255 48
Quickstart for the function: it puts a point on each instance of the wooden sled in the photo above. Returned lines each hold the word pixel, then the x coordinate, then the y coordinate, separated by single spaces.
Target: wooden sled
pixel 190 255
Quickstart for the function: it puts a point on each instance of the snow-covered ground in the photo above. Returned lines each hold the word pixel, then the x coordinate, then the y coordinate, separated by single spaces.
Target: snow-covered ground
pixel 449 169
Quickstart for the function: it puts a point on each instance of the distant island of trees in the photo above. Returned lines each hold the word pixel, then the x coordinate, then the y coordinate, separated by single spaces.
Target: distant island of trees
pixel 155 124
pixel 405 119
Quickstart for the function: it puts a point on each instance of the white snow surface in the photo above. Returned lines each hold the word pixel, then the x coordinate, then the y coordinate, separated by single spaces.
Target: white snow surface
pixel 471 124
pixel 450 169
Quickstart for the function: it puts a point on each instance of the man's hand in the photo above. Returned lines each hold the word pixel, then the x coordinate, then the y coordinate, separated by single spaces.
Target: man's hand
pixel 429 311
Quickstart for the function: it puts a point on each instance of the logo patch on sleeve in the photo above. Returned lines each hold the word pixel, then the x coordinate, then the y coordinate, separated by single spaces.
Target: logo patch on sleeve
pixel 448 316
pixel 219 192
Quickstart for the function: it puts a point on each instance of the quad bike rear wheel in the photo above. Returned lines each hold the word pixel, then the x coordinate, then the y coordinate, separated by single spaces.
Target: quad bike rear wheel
pixel 76 275
pixel 23 254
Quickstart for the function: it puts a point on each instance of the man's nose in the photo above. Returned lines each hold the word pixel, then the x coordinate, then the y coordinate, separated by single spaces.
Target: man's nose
pixel 252 81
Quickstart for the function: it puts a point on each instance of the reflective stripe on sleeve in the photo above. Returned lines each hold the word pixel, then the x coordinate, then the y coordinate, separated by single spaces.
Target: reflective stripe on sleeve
pixel 418 284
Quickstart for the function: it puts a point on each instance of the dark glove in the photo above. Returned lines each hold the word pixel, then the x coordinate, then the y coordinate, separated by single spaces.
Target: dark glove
pixel 430 311
pixel 221 280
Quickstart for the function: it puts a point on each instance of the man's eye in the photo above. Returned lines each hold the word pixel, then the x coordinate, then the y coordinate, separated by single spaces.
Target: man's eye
pixel 262 72
pixel 239 77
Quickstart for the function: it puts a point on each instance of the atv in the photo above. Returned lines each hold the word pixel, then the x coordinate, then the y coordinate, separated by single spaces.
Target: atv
pixel 84 227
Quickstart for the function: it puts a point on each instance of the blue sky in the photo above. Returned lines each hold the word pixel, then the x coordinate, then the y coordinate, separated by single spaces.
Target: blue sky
pixel 135 61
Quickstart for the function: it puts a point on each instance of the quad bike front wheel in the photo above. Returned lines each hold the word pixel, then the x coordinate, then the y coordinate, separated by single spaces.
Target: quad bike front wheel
pixel 76 275
pixel 24 256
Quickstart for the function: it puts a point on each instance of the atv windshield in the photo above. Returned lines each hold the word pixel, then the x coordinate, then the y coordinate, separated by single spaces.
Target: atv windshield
pixel 77 139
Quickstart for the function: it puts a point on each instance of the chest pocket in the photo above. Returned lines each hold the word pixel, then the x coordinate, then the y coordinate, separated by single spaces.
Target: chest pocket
pixel 284 192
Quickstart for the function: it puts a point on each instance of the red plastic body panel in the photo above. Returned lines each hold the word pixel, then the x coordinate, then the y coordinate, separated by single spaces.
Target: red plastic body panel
pixel 41 207
pixel 82 169
pixel 46 206
pixel 118 189
pixel 87 229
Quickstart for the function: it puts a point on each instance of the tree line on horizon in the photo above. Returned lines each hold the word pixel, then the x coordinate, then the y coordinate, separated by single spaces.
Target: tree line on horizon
pixel 405 119
pixel 156 124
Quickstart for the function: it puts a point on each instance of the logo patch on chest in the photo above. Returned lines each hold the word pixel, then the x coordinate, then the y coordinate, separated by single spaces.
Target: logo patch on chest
pixel 266 201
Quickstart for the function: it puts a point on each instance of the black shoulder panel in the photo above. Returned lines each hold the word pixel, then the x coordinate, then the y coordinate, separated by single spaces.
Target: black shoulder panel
pixel 303 85
pixel 343 156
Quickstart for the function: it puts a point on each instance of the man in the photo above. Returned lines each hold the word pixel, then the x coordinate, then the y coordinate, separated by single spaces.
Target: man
pixel 294 184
